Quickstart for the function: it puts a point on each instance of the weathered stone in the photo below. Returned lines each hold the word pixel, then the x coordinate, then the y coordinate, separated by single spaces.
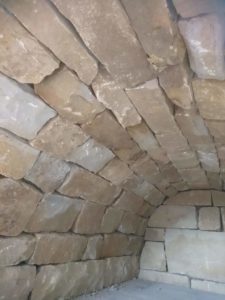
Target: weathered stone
pixel 172 216
pixel 57 248
pixel 17 204
pixel 91 155
pixel 217 130
pixel 170 191
pixel 55 213
pixel 63 41
pixel 130 202
pixel 70 97
pixel 135 245
pixel 153 257
pixel 206 249
pixel 108 132
pixel 23 58
pixel 146 210
pixel 209 160
pixel 163 277
pixel 17 157
pixel 218 198
pixel 21 112
pixel 129 223
pixel 195 177
pixel 110 240
pixel 94 247
pixel 192 198
pixel 16 283
pixel 204 38
pixel 59 137
pixel 155 234
pixel 170 173
pixel 141 227
pixel 215 181
pixel 181 186
pixel 209 218
pixel 111 220
pixel 156 31
pixel 208 286
pixel 127 62
pixel 173 142
pixel 84 184
pixel 15 250
pixel 48 172
pixel 176 82
pixel 114 98
pixel 116 171
pixel 183 159
pixel 90 219
pixel 223 217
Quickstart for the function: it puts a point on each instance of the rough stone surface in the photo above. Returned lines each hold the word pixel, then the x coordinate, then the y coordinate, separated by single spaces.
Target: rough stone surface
pixel 153 257
pixel 195 177
pixel 110 240
pixel 20 53
pixel 17 204
pixel 155 234
pixel 209 218
pixel 111 220
pixel 218 198
pixel 130 224
pixel 94 247
pixel 54 213
pixel 130 202
pixel 128 64
pixel 192 198
pixel 170 216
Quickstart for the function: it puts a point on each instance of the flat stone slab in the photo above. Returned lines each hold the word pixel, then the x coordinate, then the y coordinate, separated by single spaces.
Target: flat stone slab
pixel 192 198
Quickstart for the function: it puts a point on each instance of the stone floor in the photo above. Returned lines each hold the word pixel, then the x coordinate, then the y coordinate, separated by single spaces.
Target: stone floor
pixel 144 290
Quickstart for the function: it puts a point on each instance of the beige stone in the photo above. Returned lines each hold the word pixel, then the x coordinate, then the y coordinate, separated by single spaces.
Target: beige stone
pixel 204 40
pixel 155 234
pixel 156 31
pixel 48 172
pixel 215 181
pixel 208 286
pixel 216 129
pixel 111 219
pixel 146 210
pixel 17 157
pixel 16 283
pixel 54 213
pixel 141 227
pixel 94 247
pixel 59 38
pixel 130 202
pixel 173 142
pixel 17 204
pixel 135 245
pixel 223 217
pixel 218 198
pixel 69 96
pixel 130 223
pixel 59 137
pixel 195 178
pixel 170 173
pixel 209 218
pixel 114 98
pixel 171 216
pixel 20 53
pixel 110 240
pixel 183 159
pixel 90 219
pixel 127 62
pixel 84 184
pixel 57 248
pixel 192 198
pixel 15 250
pixel 153 257
pixel 209 160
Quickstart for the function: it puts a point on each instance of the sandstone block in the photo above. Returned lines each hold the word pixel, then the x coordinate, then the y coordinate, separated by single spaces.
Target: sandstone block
pixel 135 245
pixel 130 202
pixel 146 210
pixel 111 219
pixel 17 204
pixel 215 181
pixel 110 240
pixel 94 247
pixel 209 160
pixel 84 184
pixel 218 198
pixel 195 178
pixel 153 257
pixel 208 286
pixel 183 159
pixel 192 198
pixel 130 223
pixel 173 142
pixel 54 213
pixel 141 227
pixel 17 157
pixel 155 234
pixel 23 58
pixel 216 129
pixel 170 216
pixel 209 218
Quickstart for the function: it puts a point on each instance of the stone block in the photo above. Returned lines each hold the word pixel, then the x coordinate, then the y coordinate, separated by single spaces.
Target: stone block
pixel 130 202
pixel 111 219
pixel 204 249
pixel 146 210
pixel 58 248
pixel 135 245
pixel 217 130
pixel 94 247
pixel 209 160
pixel 102 31
pixel 209 218
pixel 205 51
pixel 130 223
pixel 173 216
pixel 173 141
pixel 20 53
pixel 18 202
pixel 153 257
pixel 155 234
pixel 183 159
pixel 195 178
pixel 208 286
pixel 54 213
pixel 141 227
pixel 84 184
pixel 110 240
pixel 223 217
pixel 218 198
pixel 48 172
pixel 192 198
pixel 215 180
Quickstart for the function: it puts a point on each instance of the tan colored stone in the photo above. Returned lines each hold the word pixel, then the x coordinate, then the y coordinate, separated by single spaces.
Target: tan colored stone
pixel 48 172
pixel 58 248
pixel 172 216
pixel 155 234
pixel 69 96
pixel 153 257
pixel 223 217
pixel 191 198
pixel 94 247
pixel 114 98
pixel 170 173
pixel 16 283
pixel 181 186
pixel 184 159
pixel 129 223
pixel 135 245
pixel 17 204
pixel 141 227
pixel 156 31
pixel 54 213
pixel 111 219
pixel 215 181
pixel 115 244
pixel 173 142
pixel 15 250
pixel 209 161
pixel 108 132
pixel 217 130
pixel 59 137
pixel 127 62
pixel 84 184
pixel 59 38
pixel 17 157
pixel 195 177
pixel 130 202
pixel 23 58
pixel 218 198
pixel 209 218
pixel 90 219
pixel 146 210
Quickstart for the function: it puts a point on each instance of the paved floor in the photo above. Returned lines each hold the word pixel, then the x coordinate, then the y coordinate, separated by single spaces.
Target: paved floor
pixel 144 290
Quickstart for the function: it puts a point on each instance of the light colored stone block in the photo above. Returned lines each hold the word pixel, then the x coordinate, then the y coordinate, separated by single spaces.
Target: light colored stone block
pixel 130 223
pixel 198 254
pixel 111 219
pixel 209 218
pixel 218 198
pixel 94 247
pixel 153 257
pixel 155 234
pixel 115 244
pixel 130 202
pixel 208 286
pixel 173 216
pixel 192 198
